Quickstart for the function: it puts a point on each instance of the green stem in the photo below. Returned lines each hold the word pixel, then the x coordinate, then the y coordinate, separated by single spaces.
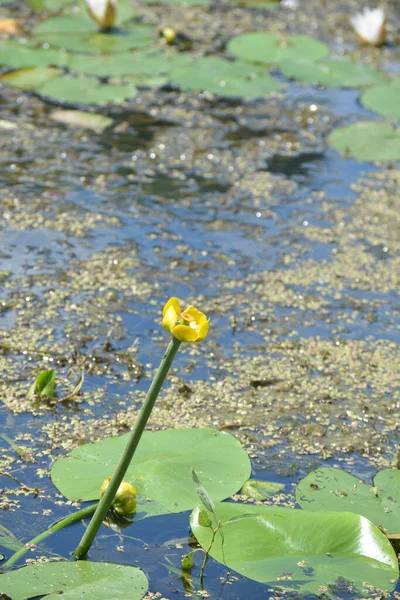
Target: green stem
pixel 78 516
pixel 125 460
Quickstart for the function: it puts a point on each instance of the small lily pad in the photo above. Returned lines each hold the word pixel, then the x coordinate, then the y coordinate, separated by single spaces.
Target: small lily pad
pixel 384 99
pixel 259 490
pixel 298 550
pixel 271 49
pixel 338 72
pixel 75 580
pixel 328 489
pixel 77 118
pixel 83 90
pixel 30 78
pixel 225 78
pixel 367 140
pixel 161 470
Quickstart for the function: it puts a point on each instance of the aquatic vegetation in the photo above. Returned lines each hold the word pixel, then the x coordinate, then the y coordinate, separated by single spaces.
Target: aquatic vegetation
pixel 104 12
pixel 367 140
pixel 76 579
pixel 334 489
pixel 384 99
pixel 370 26
pixel 44 385
pixel 296 550
pixel 124 503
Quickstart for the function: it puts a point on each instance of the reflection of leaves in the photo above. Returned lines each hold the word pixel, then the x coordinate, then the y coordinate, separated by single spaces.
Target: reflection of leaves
pixel 44 384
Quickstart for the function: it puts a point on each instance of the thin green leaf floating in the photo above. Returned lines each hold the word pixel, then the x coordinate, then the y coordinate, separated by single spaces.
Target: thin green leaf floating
pixel 74 581
pixel 44 384
pixel 271 49
pixel 299 550
pixel 333 489
pixel 367 140
pixel 161 470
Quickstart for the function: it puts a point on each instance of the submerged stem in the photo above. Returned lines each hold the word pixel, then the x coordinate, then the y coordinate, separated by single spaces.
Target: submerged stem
pixel 69 520
pixel 125 460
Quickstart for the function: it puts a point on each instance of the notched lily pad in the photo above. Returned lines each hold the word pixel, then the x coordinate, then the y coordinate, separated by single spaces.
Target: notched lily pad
pixel 299 550
pixel 225 78
pixel 338 72
pixel 272 48
pixel 333 489
pixel 384 99
pixel 75 580
pixel 367 140
pixel 161 470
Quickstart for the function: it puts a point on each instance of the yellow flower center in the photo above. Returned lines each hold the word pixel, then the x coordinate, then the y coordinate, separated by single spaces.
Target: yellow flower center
pixel 189 320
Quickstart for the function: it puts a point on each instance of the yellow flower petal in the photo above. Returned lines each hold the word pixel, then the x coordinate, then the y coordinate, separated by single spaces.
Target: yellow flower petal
pixel 171 314
pixel 185 333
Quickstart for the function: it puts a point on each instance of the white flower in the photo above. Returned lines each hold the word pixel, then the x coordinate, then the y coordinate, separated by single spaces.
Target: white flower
pixel 103 12
pixel 370 26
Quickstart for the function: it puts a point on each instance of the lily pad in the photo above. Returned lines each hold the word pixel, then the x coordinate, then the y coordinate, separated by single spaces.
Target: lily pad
pixel 161 470
pixel 338 72
pixel 270 48
pixel 83 90
pixel 140 62
pixel 80 34
pixel 30 78
pixel 384 99
pixel 367 140
pixel 225 78
pixel 75 580
pixel 299 550
pixel 17 55
pixel 259 490
pixel 77 118
pixel 328 489
pixel 8 540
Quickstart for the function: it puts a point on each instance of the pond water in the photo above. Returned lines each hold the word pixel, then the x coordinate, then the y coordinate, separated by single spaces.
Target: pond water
pixel 239 207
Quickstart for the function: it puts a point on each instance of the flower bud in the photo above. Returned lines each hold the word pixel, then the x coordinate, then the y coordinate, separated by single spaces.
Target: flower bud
pixel 104 12
pixel 124 503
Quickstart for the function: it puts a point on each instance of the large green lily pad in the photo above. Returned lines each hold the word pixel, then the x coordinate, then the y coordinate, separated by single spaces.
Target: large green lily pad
pixel 384 99
pixel 74 581
pixel 367 140
pixel 338 72
pixel 299 550
pixel 333 489
pixel 272 48
pixel 80 34
pixel 17 55
pixel 161 470
pixel 225 78
pixel 84 90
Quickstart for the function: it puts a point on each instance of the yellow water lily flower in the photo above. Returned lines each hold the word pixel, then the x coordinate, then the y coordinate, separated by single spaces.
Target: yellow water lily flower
pixel 124 502
pixel 190 325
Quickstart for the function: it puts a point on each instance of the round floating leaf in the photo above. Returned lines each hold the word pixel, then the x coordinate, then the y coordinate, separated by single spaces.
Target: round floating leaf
pixel 134 63
pixel 367 140
pixel 384 99
pixel 74 581
pixel 30 78
pixel 299 550
pixel 161 470
pixel 17 55
pixel 333 489
pixel 79 33
pixel 82 90
pixel 77 118
pixel 272 48
pixel 225 78
pixel 338 72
